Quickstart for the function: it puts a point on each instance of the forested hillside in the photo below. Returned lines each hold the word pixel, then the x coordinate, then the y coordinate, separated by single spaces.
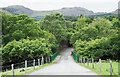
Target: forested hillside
pixel 23 38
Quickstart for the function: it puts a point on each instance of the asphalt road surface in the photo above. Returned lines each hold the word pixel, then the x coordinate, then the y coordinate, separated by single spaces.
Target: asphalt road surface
pixel 64 65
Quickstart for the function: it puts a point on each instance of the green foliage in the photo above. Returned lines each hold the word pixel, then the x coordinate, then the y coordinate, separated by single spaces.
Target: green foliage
pixel 13 26
pixel 103 15
pixel 116 22
pixel 71 18
pixel 24 39
pixel 99 40
pixel 70 32
pixel 81 22
pixel 18 34
pixel 55 24
pixel 81 16
pixel 98 48
pixel 86 33
pixel 25 49
pixel 69 24
pixel 94 30
pixel 38 18
pixel 110 17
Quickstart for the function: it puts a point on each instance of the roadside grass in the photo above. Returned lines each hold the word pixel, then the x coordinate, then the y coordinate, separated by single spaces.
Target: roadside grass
pixel 105 68
pixel 17 71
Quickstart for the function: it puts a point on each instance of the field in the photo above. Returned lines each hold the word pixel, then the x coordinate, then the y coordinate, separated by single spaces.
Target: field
pixel 17 71
pixel 105 68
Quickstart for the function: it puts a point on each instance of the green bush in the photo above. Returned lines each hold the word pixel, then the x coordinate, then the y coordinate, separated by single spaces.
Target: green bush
pixel 99 40
pixel 26 49
pixel 98 48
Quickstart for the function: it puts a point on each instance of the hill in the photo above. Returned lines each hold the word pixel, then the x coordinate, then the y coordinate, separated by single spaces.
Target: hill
pixel 68 11
pixel 74 11
pixel 116 11
pixel 4 11
pixel 17 9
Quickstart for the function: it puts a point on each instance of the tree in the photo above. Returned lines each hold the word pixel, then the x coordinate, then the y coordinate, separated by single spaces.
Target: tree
pixel 69 24
pixel 17 51
pixel 55 24
pixel 81 22
pixel 99 40
pixel 103 26
pixel 13 26
pixel 115 22
pixel 81 16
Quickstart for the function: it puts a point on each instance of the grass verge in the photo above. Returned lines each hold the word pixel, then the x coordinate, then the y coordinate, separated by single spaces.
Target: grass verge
pixel 105 68
pixel 17 71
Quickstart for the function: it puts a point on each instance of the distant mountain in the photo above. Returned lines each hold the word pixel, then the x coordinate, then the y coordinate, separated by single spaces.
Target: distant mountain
pixel 6 12
pixel 73 11
pixel 17 9
pixel 116 11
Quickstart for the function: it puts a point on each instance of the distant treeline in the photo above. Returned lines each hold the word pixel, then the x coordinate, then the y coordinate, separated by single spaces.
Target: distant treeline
pixel 74 18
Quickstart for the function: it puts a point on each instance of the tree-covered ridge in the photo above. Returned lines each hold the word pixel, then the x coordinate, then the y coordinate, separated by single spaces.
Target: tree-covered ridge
pixel 23 38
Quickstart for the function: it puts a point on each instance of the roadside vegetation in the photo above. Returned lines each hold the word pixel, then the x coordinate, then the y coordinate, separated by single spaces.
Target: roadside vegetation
pixel 26 39
pixel 105 68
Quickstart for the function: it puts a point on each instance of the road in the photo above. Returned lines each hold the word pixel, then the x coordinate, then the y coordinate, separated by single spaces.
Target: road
pixel 64 65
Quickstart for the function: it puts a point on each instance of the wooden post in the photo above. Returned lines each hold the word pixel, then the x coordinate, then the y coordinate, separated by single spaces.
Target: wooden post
pixel 84 60
pixel 6 69
pixel 87 61
pixel 100 64
pixel 34 63
pixel 39 62
pixel 42 60
pixel 26 66
pixel 46 59
pixel 49 59
pixel 92 63
pixel 12 70
pixel 81 59
pixel 111 68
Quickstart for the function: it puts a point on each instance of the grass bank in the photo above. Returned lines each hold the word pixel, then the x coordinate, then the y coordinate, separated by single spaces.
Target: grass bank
pixel 17 71
pixel 105 68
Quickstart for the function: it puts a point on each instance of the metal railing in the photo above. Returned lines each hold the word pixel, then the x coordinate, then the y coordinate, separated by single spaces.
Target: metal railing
pixel 75 56
pixel 54 56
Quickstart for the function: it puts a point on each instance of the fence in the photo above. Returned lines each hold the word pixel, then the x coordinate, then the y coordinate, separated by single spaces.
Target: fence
pixel 54 56
pixel 29 63
pixel 90 62
pixel 75 56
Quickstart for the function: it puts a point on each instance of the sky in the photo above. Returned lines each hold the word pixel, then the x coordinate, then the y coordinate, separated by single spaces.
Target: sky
pixel 43 5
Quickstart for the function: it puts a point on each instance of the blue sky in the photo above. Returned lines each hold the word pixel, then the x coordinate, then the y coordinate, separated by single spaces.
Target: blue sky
pixel 94 5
